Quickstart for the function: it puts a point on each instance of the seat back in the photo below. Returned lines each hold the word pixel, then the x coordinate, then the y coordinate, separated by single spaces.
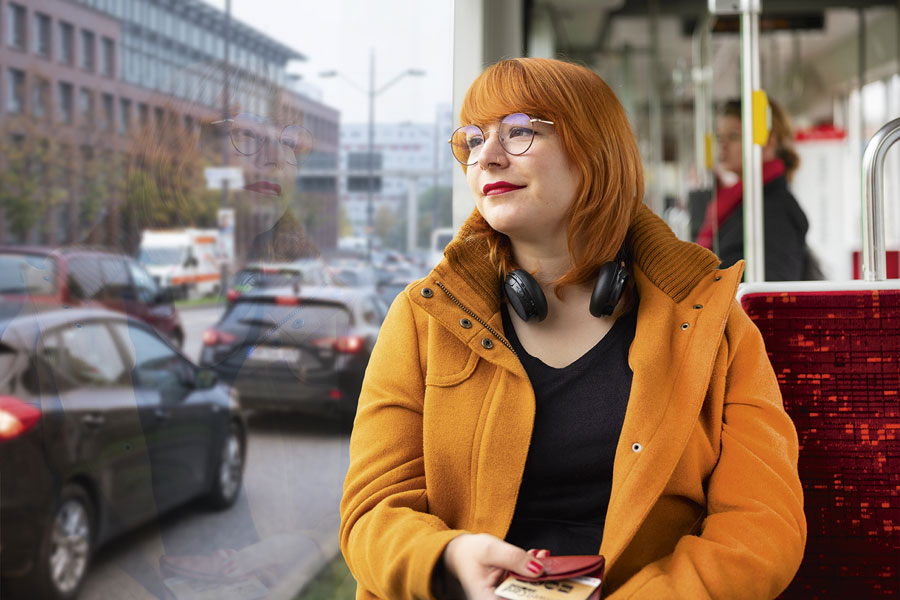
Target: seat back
pixel 835 351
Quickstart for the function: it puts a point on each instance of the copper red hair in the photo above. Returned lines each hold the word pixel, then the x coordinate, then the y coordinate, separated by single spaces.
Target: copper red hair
pixel 595 135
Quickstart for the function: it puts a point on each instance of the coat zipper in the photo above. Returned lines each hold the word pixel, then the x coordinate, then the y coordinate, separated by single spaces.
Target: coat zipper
pixel 477 318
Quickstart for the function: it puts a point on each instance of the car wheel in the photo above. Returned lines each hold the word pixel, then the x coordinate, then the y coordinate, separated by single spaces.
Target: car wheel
pixel 229 473
pixel 64 553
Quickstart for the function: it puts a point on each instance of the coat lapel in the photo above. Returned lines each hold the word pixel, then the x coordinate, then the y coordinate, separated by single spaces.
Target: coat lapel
pixel 672 366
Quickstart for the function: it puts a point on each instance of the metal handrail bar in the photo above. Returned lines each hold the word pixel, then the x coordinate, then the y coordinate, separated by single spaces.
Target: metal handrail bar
pixel 874 257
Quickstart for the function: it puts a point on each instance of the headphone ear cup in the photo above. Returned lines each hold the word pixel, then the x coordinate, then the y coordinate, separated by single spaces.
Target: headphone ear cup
pixel 608 289
pixel 525 296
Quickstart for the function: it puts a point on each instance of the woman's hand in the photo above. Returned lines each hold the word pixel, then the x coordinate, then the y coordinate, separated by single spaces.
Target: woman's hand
pixel 479 560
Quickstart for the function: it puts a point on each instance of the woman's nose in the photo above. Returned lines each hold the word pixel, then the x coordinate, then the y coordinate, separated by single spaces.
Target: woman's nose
pixel 492 152
pixel 271 153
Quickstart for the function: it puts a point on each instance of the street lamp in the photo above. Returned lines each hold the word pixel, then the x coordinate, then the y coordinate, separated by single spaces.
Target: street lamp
pixel 370 162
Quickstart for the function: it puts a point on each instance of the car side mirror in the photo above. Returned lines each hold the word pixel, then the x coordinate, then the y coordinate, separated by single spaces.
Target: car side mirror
pixel 165 296
pixel 206 379
pixel 191 261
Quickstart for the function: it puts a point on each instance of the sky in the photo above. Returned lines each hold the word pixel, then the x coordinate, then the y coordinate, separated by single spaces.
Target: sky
pixel 338 35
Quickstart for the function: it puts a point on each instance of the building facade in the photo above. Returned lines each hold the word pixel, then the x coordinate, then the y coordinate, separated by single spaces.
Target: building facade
pixel 102 73
pixel 406 156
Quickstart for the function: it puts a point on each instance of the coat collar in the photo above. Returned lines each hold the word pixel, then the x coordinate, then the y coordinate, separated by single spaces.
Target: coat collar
pixel 673 266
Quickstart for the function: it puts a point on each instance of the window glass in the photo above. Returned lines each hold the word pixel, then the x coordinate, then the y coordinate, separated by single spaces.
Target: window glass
pixel 84 278
pixel 25 273
pixel 116 283
pixel 146 287
pixel 90 356
pixel 155 363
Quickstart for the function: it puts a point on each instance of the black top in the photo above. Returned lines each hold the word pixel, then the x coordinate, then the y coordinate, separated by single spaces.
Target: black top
pixel 785 228
pixel 579 413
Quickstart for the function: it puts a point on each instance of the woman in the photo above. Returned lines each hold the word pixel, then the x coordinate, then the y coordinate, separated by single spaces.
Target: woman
pixel 784 223
pixel 654 435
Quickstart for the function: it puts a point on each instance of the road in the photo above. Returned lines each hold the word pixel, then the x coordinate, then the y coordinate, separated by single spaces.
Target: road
pixel 283 527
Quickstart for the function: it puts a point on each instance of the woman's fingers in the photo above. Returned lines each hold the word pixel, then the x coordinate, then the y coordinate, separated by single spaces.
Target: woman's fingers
pixel 478 561
pixel 510 558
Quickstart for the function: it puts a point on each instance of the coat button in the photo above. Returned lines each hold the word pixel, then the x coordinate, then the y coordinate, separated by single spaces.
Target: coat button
pixel 465 323
pixel 718 277
pixel 685 326
pixel 698 306
pixel 487 343
pixel 636 447
pixel 426 292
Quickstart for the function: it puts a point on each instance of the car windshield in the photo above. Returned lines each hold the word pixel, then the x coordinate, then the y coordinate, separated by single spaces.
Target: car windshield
pixel 160 256
pixel 263 277
pixel 325 319
pixel 27 274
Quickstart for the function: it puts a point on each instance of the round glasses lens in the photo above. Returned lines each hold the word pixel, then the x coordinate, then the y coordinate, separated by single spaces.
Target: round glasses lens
pixel 466 144
pixel 298 142
pixel 516 133
pixel 246 132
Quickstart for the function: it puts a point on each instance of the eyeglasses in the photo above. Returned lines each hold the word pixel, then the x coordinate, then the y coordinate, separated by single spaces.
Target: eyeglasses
pixel 249 133
pixel 515 131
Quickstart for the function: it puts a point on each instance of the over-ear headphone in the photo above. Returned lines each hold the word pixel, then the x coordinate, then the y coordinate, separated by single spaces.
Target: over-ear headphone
pixel 527 299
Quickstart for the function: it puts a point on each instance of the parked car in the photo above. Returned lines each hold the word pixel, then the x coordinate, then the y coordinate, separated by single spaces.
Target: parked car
pixel 289 349
pixel 81 275
pixel 103 426
pixel 305 272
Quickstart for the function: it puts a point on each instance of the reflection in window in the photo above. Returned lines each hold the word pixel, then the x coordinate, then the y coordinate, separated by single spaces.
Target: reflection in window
pixel 90 356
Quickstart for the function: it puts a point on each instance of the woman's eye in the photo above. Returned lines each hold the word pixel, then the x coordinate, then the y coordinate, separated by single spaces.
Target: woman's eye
pixel 474 142
pixel 520 132
pixel 289 142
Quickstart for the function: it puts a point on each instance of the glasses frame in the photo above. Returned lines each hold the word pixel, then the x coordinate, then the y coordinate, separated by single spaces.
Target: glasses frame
pixel 261 143
pixel 502 145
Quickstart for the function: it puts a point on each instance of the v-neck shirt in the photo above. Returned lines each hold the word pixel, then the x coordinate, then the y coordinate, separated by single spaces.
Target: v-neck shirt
pixel 579 412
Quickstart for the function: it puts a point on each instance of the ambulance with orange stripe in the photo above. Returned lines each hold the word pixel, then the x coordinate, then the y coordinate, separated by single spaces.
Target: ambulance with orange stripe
pixel 182 259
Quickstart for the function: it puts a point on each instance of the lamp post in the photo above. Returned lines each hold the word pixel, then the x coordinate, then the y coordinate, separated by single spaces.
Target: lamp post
pixel 372 92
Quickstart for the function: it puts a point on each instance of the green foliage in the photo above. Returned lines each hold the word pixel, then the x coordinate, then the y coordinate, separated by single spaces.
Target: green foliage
pixel 333 582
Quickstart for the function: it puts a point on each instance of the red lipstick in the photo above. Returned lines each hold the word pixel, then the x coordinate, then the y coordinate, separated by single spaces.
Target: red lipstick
pixel 499 187
pixel 264 187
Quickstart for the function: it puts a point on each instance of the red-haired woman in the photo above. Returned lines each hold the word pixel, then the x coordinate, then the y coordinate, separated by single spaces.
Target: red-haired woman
pixel 570 378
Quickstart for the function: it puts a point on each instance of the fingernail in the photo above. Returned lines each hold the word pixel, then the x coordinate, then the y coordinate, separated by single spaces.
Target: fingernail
pixel 535 567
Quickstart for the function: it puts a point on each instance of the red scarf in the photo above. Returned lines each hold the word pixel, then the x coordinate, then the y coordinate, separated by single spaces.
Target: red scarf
pixel 728 199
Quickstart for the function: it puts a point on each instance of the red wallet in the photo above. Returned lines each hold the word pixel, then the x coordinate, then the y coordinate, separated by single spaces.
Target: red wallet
pixel 567 567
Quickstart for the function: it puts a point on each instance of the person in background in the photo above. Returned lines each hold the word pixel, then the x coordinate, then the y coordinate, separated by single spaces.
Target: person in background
pixel 785 225
pixel 617 400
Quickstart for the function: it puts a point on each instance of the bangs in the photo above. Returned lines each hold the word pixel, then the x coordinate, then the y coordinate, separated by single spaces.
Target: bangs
pixel 499 91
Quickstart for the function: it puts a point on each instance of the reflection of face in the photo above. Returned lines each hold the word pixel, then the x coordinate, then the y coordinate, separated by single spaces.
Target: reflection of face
pixel 270 151
pixel 543 186
pixel 728 144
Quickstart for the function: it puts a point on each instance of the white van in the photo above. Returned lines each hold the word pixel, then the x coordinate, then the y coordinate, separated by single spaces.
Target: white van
pixel 182 259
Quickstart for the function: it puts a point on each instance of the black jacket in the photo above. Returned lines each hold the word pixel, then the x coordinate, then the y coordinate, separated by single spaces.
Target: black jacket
pixel 785 234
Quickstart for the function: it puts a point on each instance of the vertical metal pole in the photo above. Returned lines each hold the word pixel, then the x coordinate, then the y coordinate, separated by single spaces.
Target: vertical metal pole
pixel 754 250
pixel 702 76
pixel 370 207
pixel 226 151
pixel 861 57
pixel 656 134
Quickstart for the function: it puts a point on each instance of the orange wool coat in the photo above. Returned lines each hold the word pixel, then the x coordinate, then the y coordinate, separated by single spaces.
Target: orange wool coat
pixel 706 501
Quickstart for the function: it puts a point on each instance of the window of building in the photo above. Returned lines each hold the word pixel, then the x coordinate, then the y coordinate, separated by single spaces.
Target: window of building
pixel 66 43
pixel 42 43
pixel 159 116
pixel 108 57
pixel 124 115
pixel 143 115
pixel 16 27
pixel 108 110
pixel 86 106
pixel 87 50
pixel 15 91
pixel 40 97
pixel 65 102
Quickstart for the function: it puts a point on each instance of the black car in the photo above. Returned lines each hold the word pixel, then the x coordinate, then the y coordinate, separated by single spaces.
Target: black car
pixel 103 426
pixel 285 348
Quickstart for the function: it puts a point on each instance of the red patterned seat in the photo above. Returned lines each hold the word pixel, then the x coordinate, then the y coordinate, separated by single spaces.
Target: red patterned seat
pixel 836 354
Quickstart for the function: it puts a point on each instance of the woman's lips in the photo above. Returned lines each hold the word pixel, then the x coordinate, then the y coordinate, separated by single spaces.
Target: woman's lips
pixel 264 187
pixel 500 187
